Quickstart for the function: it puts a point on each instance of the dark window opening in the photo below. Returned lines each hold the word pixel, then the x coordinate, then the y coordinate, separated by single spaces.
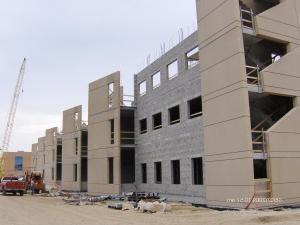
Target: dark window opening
pixel 195 107
pixel 110 170
pixel 174 115
pixel 84 144
pixel 112 131
pixel 52 173
pixel 75 172
pixel 158 172
pixel 76 146
pixel 58 172
pixel 127 165
pixel 260 168
pixel 127 127
pixel 175 171
pixel 84 169
pixel 144 173
pixel 197 171
pixel 143 126
pixel 157 121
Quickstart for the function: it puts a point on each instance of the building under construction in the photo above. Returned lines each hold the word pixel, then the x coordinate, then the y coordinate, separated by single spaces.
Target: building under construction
pixel 214 121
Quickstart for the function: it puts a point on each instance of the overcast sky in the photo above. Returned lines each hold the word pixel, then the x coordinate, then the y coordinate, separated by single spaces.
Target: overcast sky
pixel 71 43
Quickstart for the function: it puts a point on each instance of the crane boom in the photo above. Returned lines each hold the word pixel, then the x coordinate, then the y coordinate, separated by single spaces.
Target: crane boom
pixel 13 109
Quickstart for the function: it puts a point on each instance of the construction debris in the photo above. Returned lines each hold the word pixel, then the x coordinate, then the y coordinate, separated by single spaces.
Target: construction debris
pixel 153 207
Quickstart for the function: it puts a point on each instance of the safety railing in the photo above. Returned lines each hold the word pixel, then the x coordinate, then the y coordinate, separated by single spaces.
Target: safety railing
pixel 253 75
pixel 84 151
pixel 127 138
pixel 259 141
pixel 247 18
pixel 128 100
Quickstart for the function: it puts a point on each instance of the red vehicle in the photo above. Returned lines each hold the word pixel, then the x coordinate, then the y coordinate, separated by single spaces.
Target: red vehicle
pixel 13 185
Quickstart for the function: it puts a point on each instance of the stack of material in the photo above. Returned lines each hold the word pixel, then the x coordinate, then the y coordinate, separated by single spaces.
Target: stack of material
pixel 153 207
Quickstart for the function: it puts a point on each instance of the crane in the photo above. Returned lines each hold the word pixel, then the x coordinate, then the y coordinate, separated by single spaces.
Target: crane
pixel 11 115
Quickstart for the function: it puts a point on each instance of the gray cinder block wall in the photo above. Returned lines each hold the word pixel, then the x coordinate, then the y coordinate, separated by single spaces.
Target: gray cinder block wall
pixel 182 141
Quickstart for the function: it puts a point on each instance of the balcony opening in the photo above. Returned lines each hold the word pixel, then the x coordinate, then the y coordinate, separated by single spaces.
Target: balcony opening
pixel 265 111
pixel 58 162
pixel 259 54
pixel 172 69
pixel 192 58
pixel 84 143
pixel 84 168
pixel 197 171
pixel 174 115
pixel 195 107
pixel 127 165
pixel 175 171
pixel 127 127
pixel 110 170
pixel 158 172
pixel 143 126
pixel 260 169
pixel 144 173
pixel 156 121
pixel 258 6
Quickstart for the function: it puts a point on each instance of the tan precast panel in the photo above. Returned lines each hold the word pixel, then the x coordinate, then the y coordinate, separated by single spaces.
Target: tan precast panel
pixel 50 151
pixel 228 156
pixel 40 155
pixel 34 151
pixel 72 120
pixel 99 138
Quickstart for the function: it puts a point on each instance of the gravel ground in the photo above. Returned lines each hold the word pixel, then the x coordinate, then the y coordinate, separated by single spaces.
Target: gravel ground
pixel 36 210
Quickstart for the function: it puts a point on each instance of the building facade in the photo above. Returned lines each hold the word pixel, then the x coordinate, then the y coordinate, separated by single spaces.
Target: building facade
pixel 74 150
pixel 214 121
pixel 17 163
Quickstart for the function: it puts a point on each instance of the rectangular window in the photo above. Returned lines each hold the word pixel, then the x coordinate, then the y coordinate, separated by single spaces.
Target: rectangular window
pixel 158 172
pixel 75 172
pixel 144 173
pixel 142 88
pixel 192 58
pixel 111 87
pixel 111 170
pixel 112 131
pixel 143 126
pixel 195 107
pixel 172 69
pixel 76 146
pixel 156 121
pixel 174 115
pixel 175 171
pixel 197 171
pixel 156 80
pixel 19 163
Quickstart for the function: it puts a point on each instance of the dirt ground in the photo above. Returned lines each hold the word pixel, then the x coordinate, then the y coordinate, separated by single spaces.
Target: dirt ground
pixel 36 210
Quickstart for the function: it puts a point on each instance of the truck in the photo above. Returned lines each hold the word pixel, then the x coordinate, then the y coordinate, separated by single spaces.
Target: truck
pixel 37 178
pixel 12 184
